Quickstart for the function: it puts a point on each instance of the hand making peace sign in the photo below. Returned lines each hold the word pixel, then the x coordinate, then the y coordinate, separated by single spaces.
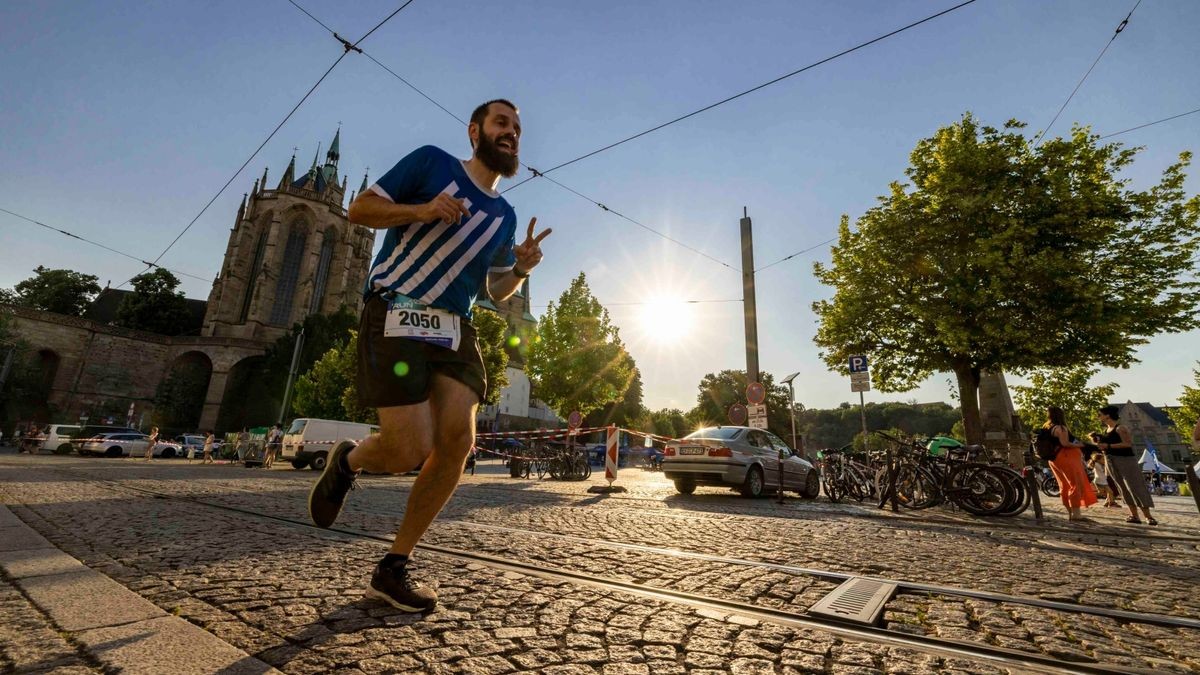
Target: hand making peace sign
pixel 529 252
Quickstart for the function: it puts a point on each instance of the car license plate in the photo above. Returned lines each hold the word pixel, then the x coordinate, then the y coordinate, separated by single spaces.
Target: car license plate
pixel 691 451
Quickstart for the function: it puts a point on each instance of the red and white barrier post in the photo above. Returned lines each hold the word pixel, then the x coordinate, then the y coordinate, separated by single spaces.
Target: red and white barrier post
pixel 610 456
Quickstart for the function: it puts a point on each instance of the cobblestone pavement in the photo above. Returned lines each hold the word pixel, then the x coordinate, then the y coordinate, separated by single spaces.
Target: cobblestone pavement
pixel 292 596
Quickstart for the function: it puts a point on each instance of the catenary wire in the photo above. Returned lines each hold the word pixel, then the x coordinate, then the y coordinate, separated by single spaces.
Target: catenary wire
pixel 1120 27
pixel 347 48
pixel 1150 124
pixel 789 257
pixel 98 244
pixel 751 90
pixel 463 122
pixel 633 303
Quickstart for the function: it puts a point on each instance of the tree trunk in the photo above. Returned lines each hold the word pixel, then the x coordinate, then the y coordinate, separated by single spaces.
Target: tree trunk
pixel 968 397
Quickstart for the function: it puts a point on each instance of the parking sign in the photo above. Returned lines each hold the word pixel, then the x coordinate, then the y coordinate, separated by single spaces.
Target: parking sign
pixel 858 363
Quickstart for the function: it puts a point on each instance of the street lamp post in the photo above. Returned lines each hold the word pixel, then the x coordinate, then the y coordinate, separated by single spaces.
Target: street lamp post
pixel 792 407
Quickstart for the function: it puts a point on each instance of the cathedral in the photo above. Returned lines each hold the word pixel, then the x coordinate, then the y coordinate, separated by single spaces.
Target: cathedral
pixel 292 253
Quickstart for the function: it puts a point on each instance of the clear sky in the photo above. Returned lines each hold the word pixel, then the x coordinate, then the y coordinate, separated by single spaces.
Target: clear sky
pixel 122 119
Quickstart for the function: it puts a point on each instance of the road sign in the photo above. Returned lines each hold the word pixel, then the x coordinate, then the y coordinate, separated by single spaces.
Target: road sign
pixel 758 416
pixel 860 381
pixel 858 364
pixel 574 419
pixel 756 393
pixel 737 414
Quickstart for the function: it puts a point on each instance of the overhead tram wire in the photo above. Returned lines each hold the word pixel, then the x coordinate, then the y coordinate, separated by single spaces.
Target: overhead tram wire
pixel 1041 135
pixel 789 257
pixel 98 244
pixel 463 122
pixel 347 47
pixel 751 90
pixel 635 303
pixel 1150 124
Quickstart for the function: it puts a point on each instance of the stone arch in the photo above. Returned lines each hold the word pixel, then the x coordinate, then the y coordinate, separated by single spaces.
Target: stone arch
pixel 245 401
pixel 180 396
pixel 48 362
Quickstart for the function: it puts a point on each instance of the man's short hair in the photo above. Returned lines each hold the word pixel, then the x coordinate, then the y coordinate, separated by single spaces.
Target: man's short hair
pixel 481 112
pixel 1112 411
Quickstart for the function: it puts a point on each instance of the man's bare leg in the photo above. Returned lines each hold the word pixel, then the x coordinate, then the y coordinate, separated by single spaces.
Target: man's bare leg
pixel 405 438
pixel 452 405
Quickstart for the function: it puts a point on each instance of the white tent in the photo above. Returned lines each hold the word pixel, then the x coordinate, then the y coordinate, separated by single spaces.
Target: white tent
pixel 1150 463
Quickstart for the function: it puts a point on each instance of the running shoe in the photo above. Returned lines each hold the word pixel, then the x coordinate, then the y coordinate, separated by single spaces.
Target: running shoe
pixel 394 586
pixel 328 495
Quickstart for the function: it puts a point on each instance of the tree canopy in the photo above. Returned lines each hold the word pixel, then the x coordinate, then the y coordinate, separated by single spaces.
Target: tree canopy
pixel 1068 389
pixel 719 391
pixel 492 332
pixel 833 428
pixel 154 305
pixel 1187 414
pixel 999 255
pixel 577 360
pixel 59 291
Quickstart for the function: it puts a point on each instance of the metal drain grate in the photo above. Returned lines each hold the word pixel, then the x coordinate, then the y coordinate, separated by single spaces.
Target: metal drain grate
pixel 856 601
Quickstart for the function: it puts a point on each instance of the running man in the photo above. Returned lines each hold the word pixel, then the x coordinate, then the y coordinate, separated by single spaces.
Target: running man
pixel 449 235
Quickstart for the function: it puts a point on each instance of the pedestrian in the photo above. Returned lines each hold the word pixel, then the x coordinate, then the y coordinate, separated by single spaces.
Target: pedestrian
pixel 1117 445
pixel 191 451
pixel 1096 463
pixel 243 439
pixel 151 441
pixel 274 442
pixel 449 234
pixel 208 447
pixel 1074 488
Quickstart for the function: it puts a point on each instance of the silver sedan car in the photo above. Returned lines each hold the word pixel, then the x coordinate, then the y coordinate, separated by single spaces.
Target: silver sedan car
pixel 740 457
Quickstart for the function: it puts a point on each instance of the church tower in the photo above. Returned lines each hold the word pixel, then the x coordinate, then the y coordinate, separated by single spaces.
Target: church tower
pixel 292 252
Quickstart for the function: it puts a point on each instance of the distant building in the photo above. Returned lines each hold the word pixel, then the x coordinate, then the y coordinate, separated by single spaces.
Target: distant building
pixel 517 409
pixel 1148 422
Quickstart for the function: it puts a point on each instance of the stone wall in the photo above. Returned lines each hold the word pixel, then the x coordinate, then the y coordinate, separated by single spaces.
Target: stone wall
pixel 104 365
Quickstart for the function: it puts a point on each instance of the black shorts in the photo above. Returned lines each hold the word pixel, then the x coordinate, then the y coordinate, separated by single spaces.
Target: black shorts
pixel 396 371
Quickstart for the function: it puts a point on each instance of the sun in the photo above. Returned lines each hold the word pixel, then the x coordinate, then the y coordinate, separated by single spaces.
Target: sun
pixel 665 320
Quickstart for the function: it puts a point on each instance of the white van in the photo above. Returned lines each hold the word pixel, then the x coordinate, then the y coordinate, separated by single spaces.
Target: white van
pixel 58 438
pixel 308 441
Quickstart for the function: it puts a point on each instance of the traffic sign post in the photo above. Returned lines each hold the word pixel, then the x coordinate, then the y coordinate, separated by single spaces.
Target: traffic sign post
pixel 756 393
pixel 737 414
pixel 858 364
pixel 860 381
pixel 758 415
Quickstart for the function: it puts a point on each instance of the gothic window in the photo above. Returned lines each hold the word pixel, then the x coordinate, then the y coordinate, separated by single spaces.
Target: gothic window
pixel 289 274
pixel 252 276
pixel 322 279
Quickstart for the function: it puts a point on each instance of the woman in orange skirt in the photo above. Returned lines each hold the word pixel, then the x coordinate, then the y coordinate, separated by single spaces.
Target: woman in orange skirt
pixel 1075 488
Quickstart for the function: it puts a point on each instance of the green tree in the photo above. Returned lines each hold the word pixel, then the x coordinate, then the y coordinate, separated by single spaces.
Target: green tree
pixel 719 391
pixel 1004 256
pixel 1187 413
pixel 669 422
pixel 626 411
pixel 179 398
pixel 577 360
pixel 319 391
pixel 59 291
pixel 154 305
pixel 1066 388
pixel 492 332
pixel 839 426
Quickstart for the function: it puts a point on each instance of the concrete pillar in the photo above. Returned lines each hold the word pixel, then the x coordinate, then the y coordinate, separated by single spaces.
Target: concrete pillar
pixel 1002 431
pixel 212 400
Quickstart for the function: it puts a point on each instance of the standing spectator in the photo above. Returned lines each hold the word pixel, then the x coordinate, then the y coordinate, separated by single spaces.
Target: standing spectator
pixel 1067 465
pixel 1096 462
pixel 151 442
pixel 243 439
pixel 208 447
pixel 1117 445
pixel 274 441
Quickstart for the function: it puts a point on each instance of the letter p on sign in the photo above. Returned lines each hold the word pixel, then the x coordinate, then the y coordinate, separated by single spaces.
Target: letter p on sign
pixel 858 364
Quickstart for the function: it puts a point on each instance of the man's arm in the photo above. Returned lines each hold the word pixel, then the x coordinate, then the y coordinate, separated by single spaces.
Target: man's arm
pixel 376 212
pixel 501 285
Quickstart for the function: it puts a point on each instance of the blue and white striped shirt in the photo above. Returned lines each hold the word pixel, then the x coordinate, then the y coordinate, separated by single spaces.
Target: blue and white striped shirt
pixel 440 264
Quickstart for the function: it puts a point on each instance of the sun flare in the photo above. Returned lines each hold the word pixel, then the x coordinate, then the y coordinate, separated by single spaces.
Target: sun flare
pixel 665 320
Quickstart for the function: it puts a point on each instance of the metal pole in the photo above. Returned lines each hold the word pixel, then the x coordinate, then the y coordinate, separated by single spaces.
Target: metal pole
pixel 287 392
pixel 862 408
pixel 792 410
pixel 749 308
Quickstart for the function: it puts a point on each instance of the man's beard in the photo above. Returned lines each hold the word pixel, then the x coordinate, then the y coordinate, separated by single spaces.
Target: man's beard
pixel 496 159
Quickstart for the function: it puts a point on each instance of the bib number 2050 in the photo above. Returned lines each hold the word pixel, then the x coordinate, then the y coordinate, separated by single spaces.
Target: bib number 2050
pixel 418 319
pixel 407 318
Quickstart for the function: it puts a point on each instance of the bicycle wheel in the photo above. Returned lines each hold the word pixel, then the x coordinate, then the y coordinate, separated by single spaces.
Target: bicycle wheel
pixel 979 489
pixel 856 483
pixel 831 483
pixel 1021 497
pixel 582 469
pixel 1050 486
pixel 541 468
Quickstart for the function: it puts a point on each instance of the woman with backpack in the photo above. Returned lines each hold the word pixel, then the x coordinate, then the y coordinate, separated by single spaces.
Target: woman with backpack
pixel 1117 445
pixel 1067 465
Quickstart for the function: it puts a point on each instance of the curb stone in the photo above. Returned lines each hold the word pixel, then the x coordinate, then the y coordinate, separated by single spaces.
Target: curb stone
pixel 115 626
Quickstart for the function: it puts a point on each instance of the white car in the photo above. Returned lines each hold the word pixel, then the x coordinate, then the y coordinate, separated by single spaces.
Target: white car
pixel 120 444
pixel 748 460
pixel 56 440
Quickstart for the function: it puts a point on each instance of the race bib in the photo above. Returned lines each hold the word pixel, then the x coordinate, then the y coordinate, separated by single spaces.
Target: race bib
pixel 408 318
